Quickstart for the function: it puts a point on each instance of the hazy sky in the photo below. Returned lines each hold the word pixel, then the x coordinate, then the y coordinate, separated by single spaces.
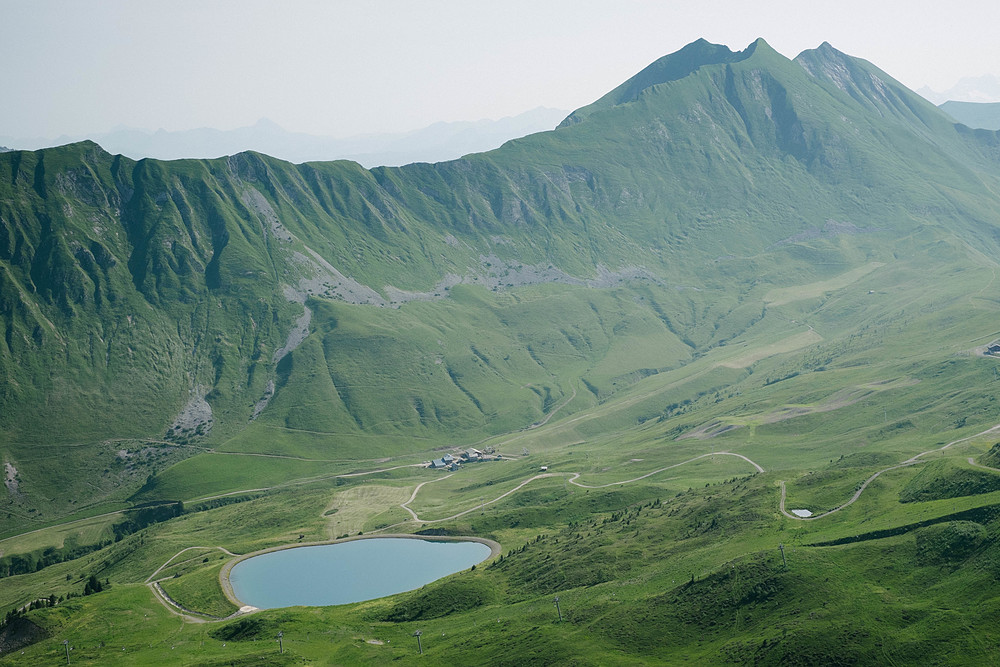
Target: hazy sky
pixel 341 68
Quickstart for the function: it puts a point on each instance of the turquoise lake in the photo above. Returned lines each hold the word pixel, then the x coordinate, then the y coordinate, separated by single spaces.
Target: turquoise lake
pixel 332 574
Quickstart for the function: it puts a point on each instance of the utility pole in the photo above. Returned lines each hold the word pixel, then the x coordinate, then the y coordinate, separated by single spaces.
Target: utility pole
pixel 558 610
pixel 784 564
pixel 281 648
pixel 419 647
pixel 66 644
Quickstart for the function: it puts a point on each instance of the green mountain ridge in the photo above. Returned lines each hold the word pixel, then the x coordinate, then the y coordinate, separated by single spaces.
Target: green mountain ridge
pixel 792 260
pixel 168 279
pixel 164 279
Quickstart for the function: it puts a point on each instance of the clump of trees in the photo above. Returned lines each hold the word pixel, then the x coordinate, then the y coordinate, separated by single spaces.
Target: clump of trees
pixel 94 585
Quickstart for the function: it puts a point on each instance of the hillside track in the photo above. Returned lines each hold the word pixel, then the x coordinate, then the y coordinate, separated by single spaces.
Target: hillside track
pixel 913 460
pixel 572 479
pixel 556 409
pixel 972 461
pixel 170 560
pixel 576 475
pixel 413 496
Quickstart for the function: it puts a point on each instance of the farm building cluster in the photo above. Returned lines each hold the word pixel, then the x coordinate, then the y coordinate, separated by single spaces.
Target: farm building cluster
pixel 472 455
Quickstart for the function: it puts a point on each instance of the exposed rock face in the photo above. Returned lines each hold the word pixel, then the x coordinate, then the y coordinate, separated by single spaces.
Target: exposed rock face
pixel 195 418
pixel 10 479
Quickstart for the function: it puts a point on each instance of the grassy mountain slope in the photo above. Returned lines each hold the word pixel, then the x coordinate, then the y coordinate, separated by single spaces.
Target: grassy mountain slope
pixel 731 253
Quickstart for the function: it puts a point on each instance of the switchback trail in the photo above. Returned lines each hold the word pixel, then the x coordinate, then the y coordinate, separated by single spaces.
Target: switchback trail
pixel 189 615
pixel 572 478
pixel 972 461
pixel 468 511
pixel 171 559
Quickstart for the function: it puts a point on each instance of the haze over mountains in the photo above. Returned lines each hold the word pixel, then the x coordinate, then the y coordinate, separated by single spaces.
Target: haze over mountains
pixel 985 88
pixel 438 142
pixel 792 260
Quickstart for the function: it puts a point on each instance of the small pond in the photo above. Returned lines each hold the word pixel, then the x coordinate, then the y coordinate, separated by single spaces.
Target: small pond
pixel 352 571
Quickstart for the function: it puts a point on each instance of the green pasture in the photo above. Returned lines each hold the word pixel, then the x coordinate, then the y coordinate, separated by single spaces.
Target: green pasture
pixel 82 531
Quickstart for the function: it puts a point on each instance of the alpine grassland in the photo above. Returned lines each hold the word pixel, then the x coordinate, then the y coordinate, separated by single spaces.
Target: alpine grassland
pixel 724 343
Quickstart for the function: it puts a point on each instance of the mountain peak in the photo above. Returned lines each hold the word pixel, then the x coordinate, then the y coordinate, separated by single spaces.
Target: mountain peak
pixel 824 53
pixel 759 48
pixel 678 65
pixel 867 84
pixel 267 124
pixel 699 53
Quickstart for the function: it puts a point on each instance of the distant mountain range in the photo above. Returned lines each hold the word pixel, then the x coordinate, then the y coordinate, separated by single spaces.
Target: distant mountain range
pixel 984 88
pixel 973 101
pixel 977 115
pixel 435 143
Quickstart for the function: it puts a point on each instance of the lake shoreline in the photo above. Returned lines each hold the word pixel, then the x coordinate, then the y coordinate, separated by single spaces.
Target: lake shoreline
pixel 227 588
